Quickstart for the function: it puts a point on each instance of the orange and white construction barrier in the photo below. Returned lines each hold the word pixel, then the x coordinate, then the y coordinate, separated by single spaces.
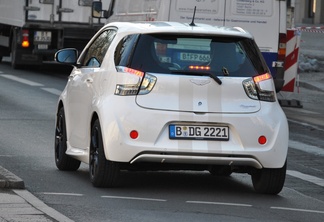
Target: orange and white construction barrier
pixel 316 29
pixel 291 61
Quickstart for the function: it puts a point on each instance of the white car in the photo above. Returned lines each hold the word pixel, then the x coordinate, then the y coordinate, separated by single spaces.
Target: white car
pixel 166 95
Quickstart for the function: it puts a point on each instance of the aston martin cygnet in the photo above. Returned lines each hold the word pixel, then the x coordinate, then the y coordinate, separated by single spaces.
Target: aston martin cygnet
pixel 171 96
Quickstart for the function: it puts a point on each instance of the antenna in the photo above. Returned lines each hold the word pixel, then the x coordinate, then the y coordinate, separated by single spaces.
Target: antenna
pixel 193 18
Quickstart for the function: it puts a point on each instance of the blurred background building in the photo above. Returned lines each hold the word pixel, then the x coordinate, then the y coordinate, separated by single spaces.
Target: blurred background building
pixel 308 11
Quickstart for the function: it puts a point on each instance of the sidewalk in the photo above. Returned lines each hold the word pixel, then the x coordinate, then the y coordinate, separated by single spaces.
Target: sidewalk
pixel 17 204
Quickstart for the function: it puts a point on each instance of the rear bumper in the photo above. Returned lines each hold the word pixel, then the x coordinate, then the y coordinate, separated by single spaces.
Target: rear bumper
pixel 154 145
pixel 196 159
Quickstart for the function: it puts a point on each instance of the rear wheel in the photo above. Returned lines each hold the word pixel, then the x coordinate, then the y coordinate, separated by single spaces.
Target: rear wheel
pixel 103 173
pixel 269 181
pixel 63 161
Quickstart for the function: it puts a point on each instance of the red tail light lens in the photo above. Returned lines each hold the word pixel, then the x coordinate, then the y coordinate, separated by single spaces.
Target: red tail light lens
pixel 25 38
pixel 282 46
pixel 263 77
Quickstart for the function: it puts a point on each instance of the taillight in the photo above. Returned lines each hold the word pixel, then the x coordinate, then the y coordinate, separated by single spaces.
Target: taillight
pixel 144 85
pixel 282 47
pixel 25 38
pixel 260 87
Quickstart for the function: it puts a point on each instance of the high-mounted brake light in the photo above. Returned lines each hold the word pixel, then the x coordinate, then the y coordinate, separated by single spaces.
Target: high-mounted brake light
pixel 260 88
pixel 25 38
pixel 199 67
pixel 144 85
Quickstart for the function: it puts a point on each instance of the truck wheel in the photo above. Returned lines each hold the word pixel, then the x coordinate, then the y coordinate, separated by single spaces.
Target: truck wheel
pixel 63 161
pixel 103 173
pixel 269 181
pixel 14 52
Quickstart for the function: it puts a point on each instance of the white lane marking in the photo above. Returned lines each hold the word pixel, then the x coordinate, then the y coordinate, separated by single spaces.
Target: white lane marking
pixel 301 111
pixel 64 194
pixel 306 177
pixel 306 148
pixel 305 124
pixel 38 204
pixel 21 80
pixel 31 83
pixel 134 198
pixel 219 203
pixel 299 210
pixel 52 91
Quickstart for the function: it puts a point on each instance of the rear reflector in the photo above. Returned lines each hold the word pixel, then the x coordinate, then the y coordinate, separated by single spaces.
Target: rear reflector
pixel 133 134
pixel 262 140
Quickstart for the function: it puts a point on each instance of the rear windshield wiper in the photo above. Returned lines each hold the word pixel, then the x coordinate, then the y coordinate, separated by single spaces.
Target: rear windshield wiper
pixel 210 74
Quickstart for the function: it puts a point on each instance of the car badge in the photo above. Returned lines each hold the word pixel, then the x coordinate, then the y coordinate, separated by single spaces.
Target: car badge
pixel 200 82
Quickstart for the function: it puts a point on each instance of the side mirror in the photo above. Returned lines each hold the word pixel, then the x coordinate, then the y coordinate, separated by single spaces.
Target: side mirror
pixel 97 11
pixel 66 56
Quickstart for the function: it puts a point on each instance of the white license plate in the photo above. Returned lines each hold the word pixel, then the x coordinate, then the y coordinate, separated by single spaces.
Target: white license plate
pixel 42 46
pixel 199 132
pixel 195 57
pixel 42 36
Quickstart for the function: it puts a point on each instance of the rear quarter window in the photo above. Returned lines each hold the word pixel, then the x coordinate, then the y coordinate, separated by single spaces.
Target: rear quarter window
pixel 124 50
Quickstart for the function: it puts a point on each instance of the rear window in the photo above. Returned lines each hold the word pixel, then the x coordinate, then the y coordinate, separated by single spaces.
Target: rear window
pixel 162 53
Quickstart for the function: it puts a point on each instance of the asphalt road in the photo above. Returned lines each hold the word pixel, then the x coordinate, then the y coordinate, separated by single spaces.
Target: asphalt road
pixel 27 112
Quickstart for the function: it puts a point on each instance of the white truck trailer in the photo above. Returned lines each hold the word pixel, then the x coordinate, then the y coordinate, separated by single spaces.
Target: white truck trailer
pixel 265 19
pixel 31 31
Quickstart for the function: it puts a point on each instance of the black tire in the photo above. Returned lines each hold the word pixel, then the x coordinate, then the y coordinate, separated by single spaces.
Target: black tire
pixel 269 181
pixel 224 171
pixel 103 173
pixel 14 64
pixel 63 161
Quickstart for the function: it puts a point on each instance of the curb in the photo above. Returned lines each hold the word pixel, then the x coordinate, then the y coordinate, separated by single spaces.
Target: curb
pixel 310 86
pixel 9 180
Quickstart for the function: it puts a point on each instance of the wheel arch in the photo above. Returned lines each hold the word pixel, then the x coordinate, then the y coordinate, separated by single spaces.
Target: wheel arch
pixel 95 117
pixel 60 105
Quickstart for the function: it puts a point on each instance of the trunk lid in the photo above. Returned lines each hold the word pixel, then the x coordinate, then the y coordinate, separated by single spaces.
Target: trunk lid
pixel 201 94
